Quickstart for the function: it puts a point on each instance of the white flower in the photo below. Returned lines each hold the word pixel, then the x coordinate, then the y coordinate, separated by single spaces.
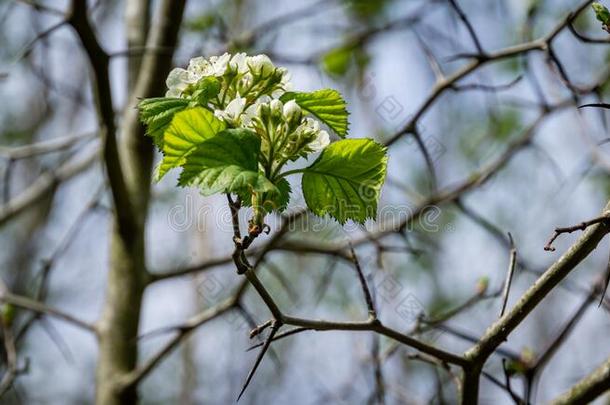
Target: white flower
pixel 219 64
pixel 312 124
pixel 248 114
pixel 239 63
pixel 199 67
pixel 321 141
pixel 285 82
pixel 232 111
pixel 261 65
pixel 177 81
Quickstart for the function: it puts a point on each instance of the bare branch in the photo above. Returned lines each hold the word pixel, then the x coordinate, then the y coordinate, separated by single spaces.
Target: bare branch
pixel 580 227
pixel 363 285
pixel 509 275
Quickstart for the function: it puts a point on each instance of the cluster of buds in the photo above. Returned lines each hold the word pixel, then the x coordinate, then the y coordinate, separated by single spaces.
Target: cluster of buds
pixel 244 92
pixel 219 80
pixel 285 133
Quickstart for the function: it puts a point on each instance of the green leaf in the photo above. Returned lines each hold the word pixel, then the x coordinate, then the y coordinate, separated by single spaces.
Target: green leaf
pixel 206 89
pixel 188 129
pixel 227 163
pixel 602 13
pixel 326 104
pixel 336 62
pixel 157 113
pixel 345 181
pixel 201 23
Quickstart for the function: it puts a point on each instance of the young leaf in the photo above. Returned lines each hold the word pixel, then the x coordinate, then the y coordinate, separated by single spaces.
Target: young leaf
pixel 277 200
pixel 207 89
pixel 345 181
pixel 228 163
pixel 157 113
pixel 326 104
pixel 602 13
pixel 188 129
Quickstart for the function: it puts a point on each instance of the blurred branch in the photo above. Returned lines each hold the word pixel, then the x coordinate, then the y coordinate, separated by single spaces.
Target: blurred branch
pixel 35 306
pixel 45 184
pixel 589 388
pixel 541 44
pixel 498 332
pixel 99 63
pixel 42 7
pixel 44 147
pixel 468 25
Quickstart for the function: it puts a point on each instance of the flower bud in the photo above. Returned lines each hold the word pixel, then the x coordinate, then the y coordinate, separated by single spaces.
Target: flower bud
pixel 261 65
pixel 292 114
pixel 263 111
pixel 276 108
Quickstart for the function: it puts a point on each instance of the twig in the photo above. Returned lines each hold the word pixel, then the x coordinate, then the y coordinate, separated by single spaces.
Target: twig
pixel 509 274
pixel 26 303
pixel 469 26
pixel 363 285
pixel 260 328
pixel 580 227
pixel 44 147
pixel 279 336
pixel 274 328
pixel 11 359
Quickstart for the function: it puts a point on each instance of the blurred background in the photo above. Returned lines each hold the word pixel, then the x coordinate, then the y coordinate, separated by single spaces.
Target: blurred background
pixel 385 57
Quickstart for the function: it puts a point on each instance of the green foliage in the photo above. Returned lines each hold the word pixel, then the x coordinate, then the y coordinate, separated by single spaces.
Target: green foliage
pixel 202 22
pixel 367 10
pixel 7 312
pixel 503 125
pixel 327 105
pixel 345 181
pixel 157 113
pixel 206 90
pixel 226 163
pixel 601 13
pixel 187 130
pixel 337 61
pixel 232 127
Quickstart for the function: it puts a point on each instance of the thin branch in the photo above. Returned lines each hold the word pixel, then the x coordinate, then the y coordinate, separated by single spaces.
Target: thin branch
pixel 44 147
pixel 134 377
pixel 99 63
pixel 363 285
pixel 42 7
pixel 509 275
pixel 498 332
pixel 469 26
pixel 274 328
pixel 45 184
pixel 580 227
pixel 35 306
pixel 279 336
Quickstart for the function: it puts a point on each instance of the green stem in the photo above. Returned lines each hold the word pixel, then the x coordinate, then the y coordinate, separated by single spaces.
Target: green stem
pixel 259 212
pixel 289 172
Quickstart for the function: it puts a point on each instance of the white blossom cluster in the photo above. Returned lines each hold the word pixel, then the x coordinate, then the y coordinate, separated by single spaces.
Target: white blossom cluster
pixel 244 92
